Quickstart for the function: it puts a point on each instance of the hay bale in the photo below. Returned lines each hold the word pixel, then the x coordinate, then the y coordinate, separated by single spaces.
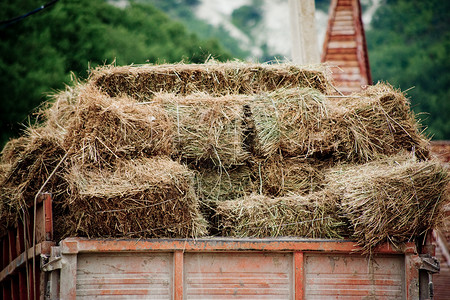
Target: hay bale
pixel 102 129
pixel 146 197
pixel 392 200
pixel 220 184
pixel 207 129
pixel 293 122
pixel 36 156
pixel 279 176
pixel 12 149
pixel 378 121
pixel 360 128
pixel 32 167
pixel 143 81
pixel 315 216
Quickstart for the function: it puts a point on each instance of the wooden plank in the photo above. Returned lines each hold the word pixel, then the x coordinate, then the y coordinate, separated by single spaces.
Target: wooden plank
pixel 12 245
pixel 5 252
pixel 129 275
pixel 31 286
pixel 15 295
pixel 342 51
pixel 239 275
pixel 354 276
pixel 20 241
pixel 338 57
pixel 22 284
pixel 342 44
pixel 412 263
pixel 48 217
pixel 19 261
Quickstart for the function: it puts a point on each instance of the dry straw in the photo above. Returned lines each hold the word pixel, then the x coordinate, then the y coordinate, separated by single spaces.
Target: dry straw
pixel 142 82
pixel 147 197
pixel 29 168
pixel 220 184
pixel 377 122
pixel 289 121
pixel 102 130
pixel 360 128
pixel 315 216
pixel 278 176
pixel 261 141
pixel 392 200
pixel 207 129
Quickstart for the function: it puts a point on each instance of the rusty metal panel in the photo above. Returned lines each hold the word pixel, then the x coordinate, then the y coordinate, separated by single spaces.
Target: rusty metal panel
pixel 354 277
pixel 238 275
pixel 125 276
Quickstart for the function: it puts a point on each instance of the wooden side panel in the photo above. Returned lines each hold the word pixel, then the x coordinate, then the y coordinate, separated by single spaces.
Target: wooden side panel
pixel 125 276
pixel 238 276
pixel 354 277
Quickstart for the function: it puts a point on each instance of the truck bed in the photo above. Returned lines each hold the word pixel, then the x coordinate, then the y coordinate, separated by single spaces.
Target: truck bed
pixel 222 268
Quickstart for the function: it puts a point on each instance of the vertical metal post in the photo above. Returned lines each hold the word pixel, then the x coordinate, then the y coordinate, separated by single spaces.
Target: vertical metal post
pixel 303 32
pixel 68 288
pixel 412 262
pixel 298 275
pixel 178 275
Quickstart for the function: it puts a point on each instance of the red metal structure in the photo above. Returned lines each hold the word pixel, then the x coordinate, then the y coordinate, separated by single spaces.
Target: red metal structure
pixel 345 47
pixel 441 238
pixel 20 271
pixel 219 268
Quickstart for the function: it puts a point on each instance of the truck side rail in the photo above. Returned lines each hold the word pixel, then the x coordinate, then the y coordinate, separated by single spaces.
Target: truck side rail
pixel 73 253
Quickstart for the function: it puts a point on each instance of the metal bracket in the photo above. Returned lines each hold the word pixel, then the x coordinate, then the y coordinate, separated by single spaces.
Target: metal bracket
pixel 53 262
pixel 429 263
pixel 428 266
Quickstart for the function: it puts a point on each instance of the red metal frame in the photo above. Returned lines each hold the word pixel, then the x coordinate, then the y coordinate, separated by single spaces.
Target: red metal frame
pixel 299 275
pixel 76 245
pixel 16 269
pixel 70 247
pixel 178 275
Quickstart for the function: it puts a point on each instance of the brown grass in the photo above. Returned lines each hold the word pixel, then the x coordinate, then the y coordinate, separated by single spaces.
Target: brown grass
pixel 207 129
pixel 102 129
pixel 291 175
pixel 28 170
pixel 147 197
pixel 391 200
pixel 359 128
pixel 261 150
pixel 142 82
pixel 315 216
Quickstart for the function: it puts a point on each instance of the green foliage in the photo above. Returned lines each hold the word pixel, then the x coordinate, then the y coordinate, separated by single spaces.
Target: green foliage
pixel 183 12
pixel 322 5
pixel 246 17
pixel 409 42
pixel 38 53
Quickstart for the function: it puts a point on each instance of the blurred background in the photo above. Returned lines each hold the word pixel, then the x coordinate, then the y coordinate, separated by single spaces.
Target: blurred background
pixel 408 43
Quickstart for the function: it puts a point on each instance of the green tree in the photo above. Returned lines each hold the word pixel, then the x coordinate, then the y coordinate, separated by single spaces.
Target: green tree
pixel 38 53
pixel 183 11
pixel 409 42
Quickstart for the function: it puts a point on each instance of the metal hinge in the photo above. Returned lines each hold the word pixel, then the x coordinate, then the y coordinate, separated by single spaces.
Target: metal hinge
pixel 53 262
pixel 430 265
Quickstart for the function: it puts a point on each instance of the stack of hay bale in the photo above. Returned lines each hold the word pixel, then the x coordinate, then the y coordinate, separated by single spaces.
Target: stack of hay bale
pixel 230 149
